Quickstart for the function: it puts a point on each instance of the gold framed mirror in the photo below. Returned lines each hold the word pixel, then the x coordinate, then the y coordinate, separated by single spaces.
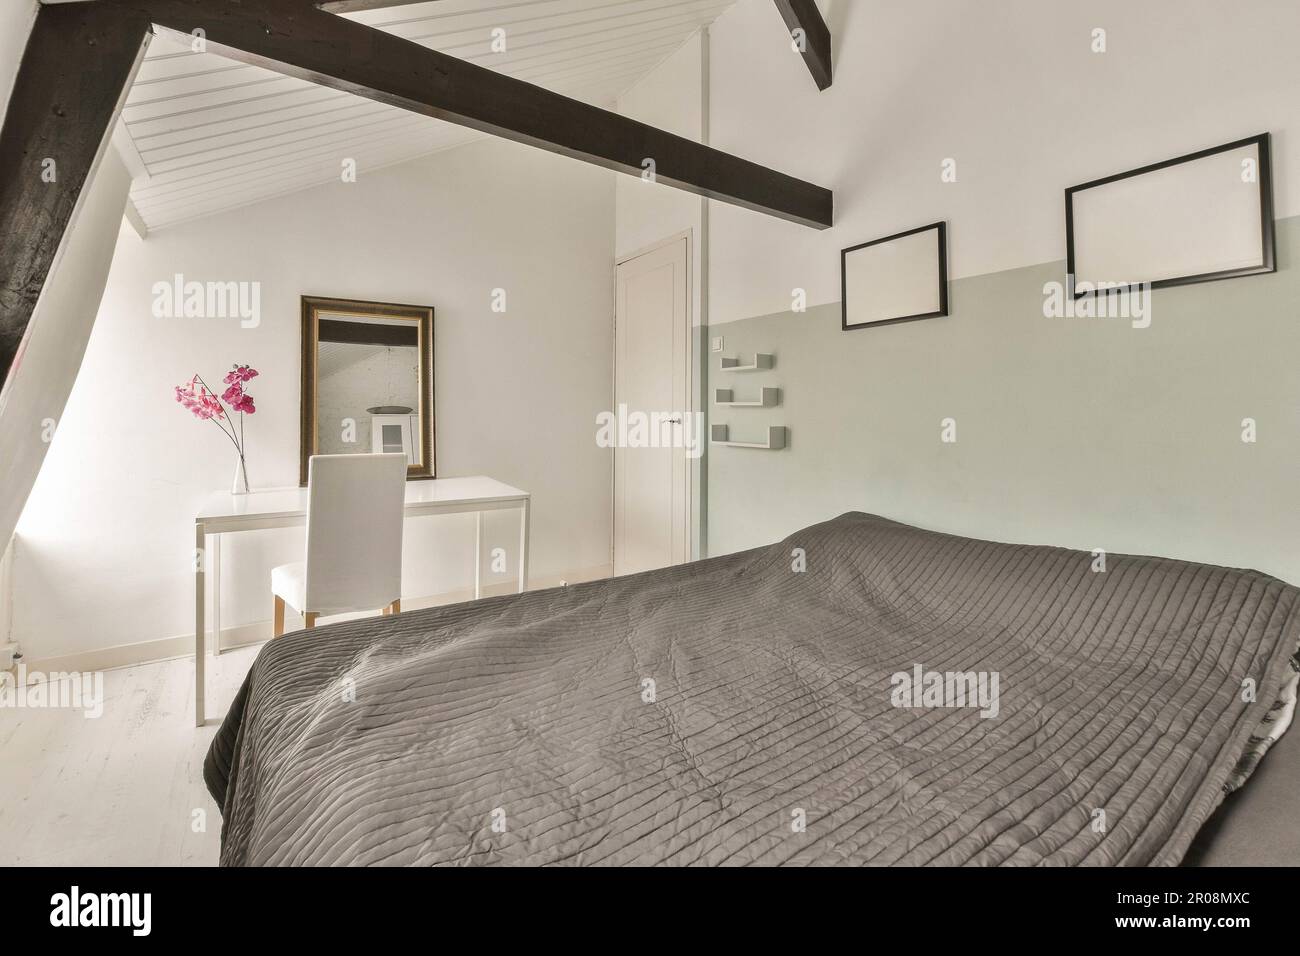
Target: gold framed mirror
pixel 367 381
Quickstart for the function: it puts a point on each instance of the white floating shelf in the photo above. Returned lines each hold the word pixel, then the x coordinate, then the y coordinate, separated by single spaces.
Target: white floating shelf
pixel 771 397
pixel 762 361
pixel 775 438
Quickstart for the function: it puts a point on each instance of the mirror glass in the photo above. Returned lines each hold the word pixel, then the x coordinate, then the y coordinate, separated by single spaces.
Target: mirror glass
pixel 369 383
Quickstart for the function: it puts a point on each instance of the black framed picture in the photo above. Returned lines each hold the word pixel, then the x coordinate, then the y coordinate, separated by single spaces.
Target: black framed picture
pixel 1196 218
pixel 899 278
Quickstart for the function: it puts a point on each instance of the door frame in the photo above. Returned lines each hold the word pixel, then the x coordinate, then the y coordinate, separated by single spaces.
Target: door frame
pixel 692 398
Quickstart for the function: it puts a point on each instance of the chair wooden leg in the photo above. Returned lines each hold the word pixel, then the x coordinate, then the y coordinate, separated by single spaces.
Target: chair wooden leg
pixel 309 619
pixel 278 627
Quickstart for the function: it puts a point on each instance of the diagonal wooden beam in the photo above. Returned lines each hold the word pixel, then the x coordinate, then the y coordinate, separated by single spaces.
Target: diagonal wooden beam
pixel 806 24
pixel 296 38
pixel 72 79
pixel 82 55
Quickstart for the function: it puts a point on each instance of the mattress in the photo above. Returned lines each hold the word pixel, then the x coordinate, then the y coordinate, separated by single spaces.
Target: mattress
pixel 861 693
pixel 1259 825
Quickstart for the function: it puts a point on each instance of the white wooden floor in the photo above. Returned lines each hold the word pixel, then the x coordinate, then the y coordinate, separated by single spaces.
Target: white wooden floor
pixel 120 790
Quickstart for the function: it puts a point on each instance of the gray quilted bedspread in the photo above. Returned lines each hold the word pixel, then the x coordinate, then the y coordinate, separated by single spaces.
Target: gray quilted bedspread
pixel 742 711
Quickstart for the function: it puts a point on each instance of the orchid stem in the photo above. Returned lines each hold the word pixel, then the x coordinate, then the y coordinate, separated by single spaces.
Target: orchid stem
pixel 231 432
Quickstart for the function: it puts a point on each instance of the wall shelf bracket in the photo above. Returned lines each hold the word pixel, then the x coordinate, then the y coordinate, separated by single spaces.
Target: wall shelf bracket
pixel 720 435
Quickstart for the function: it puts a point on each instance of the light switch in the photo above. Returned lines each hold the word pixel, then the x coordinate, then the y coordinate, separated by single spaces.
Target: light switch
pixel 717 344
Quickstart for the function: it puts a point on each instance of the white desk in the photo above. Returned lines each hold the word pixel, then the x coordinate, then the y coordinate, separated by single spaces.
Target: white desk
pixel 225 513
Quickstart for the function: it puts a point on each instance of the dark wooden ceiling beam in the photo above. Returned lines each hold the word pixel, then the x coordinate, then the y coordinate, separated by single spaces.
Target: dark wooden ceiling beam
pixel 70 83
pixel 81 56
pixel 295 38
pixel 803 15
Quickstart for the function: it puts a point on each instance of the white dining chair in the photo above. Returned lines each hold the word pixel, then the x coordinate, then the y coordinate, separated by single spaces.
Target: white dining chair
pixel 355 506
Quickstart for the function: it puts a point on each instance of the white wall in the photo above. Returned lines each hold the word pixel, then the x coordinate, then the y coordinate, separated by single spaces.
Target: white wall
pixel 670 97
pixel 104 545
pixel 35 395
pixel 60 322
pixel 16 19
pixel 1011 90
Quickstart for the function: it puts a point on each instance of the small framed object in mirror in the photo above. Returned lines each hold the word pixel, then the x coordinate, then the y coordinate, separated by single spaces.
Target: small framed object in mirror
pixel 367 381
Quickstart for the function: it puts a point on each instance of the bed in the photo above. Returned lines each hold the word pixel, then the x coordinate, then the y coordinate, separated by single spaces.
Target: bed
pixel 793 704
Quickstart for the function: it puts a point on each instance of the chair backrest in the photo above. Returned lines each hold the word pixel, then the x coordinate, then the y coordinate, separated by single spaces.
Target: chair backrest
pixel 354 532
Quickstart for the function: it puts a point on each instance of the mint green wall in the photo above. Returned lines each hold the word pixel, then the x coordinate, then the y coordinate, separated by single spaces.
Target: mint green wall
pixel 1080 432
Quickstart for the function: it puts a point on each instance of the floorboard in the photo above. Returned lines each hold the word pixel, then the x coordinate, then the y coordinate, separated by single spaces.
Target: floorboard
pixel 121 789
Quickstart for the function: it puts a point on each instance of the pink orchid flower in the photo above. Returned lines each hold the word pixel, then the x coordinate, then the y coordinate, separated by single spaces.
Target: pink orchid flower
pixel 204 405
pixel 240 374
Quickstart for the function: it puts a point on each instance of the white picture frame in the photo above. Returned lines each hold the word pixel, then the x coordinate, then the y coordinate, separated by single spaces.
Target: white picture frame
pixel 391 434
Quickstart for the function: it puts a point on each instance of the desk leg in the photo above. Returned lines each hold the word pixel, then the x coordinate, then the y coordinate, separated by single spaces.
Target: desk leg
pixel 523 546
pixel 478 555
pixel 216 595
pixel 200 710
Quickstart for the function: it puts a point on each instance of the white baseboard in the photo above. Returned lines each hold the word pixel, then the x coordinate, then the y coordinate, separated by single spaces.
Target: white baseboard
pixel 244 635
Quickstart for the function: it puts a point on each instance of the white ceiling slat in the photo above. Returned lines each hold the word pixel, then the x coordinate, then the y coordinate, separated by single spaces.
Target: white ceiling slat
pixel 319 140
pixel 200 102
pixel 220 101
pixel 252 126
pixel 181 181
pixel 157 71
pixel 168 190
pixel 356 113
pixel 184 96
pixel 194 88
pixel 197 207
pixel 213 65
pixel 149 130
pixel 216 99
pixel 167 185
pixel 214 134
pixel 292 178
pixel 178 62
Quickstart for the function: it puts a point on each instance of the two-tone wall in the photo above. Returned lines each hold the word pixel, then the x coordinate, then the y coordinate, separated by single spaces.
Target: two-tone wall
pixel 1081 432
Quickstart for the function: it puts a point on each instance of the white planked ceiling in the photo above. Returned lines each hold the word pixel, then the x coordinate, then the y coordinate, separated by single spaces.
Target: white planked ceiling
pixel 213 134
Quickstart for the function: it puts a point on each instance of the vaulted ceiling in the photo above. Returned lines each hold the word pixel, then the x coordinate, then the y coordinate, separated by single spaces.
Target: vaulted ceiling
pixel 212 134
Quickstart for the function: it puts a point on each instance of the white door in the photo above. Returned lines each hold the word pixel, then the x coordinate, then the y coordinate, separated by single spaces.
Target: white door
pixel 652 327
